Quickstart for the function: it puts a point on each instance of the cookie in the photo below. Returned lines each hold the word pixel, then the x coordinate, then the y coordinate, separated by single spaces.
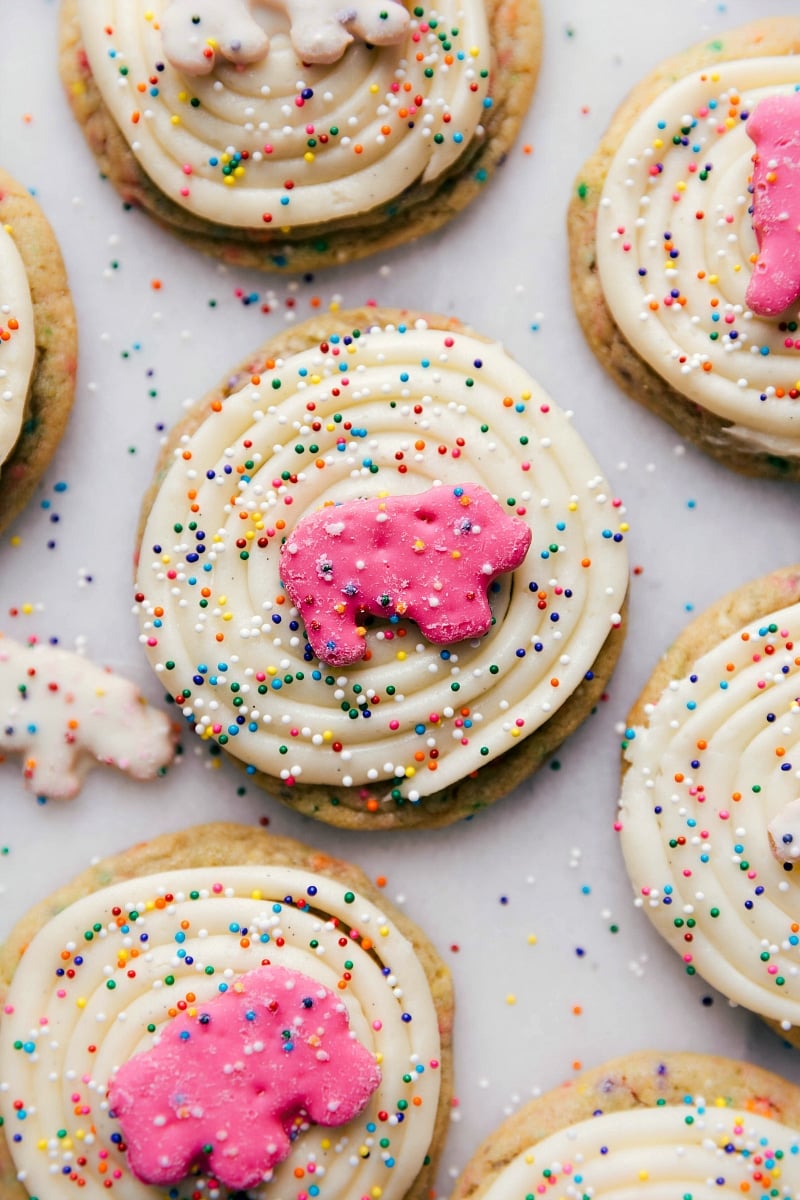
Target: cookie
pixel 158 944
pixel 707 817
pixel 65 715
pixel 667 1124
pixel 681 274
pixel 305 143
pixel 377 409
pixel 38 347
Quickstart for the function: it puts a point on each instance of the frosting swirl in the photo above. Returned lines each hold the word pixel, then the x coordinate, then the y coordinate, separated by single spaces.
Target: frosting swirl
pixel 711 780
pixel 281 141
pixel 695 1149
pixel 676 247
pixel 388 410
pixel 107 973
pixel 17 342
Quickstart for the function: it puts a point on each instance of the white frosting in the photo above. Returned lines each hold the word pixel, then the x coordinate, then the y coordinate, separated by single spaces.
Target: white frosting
pixel 17 342
pixel 680 299
pixel 80 1004
pixel 65 715
pixel 225 145
pixel 704 1151
pixel 716 764
pixel 395 412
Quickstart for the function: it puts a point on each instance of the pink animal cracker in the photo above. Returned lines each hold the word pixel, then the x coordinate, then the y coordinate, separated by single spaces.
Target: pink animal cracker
pixel 774 126
pixel 64 715
pixel 429 557
pixel 195 32
pixel 231 1087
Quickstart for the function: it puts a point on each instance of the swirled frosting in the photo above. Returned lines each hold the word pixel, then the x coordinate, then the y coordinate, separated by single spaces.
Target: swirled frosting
pixel 17 342
pixel 105 975
pixel 715 766
pixel 676 249
pixel 384 411
pixel 697 1149
pixel 281 141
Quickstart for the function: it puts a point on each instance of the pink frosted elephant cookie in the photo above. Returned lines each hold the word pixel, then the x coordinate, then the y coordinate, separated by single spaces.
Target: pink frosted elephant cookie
pixel 428 557
pixel 775 129
pixel 232 1086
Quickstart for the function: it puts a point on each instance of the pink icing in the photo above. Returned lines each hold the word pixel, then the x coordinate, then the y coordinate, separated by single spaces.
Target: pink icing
pixel 774 126
pixel 227 1087
pixel 429 557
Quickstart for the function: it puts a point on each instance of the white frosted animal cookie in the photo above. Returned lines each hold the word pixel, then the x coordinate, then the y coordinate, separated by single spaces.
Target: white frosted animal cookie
pixel 196 31
pixel 299 134
pixel 65 715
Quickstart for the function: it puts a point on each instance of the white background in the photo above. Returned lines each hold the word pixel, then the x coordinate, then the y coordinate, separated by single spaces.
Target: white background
pixel 520 901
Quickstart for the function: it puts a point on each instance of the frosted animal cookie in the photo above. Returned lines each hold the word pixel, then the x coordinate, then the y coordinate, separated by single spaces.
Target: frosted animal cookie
pixel 221 957
pixel 38 346
pixel 708 816
pixel 647 1123
pixel 65 715
pixel 345 426
pixel 297 135
pixel 683 227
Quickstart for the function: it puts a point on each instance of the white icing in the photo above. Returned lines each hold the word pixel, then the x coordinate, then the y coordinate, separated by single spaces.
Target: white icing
pixel 65 715
pixel 391 412
pixel 704 341
pixel 395 123
pixel 719 758
pixel 703 1151
pixel 125 983
pixel 17 342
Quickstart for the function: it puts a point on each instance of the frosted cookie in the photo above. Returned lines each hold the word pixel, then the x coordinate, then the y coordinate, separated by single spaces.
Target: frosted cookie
pixel 218 1010
pixel 38 346
pixel 682 1125
pixel 708 816
pixel 381 463
pixel 65 715
pixel 298 136
pixel 683 232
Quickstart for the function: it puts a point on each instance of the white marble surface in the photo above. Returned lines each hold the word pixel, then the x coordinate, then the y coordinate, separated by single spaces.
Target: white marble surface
pixel 528 903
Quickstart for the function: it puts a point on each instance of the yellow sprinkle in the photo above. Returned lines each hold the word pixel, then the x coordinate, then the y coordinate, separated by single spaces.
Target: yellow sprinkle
pixel 383 930
pixel 515 732
pixel 228 616
pixel 309 156
pixel 657 144
pixel 526 395
pixel 327 736
pixel 410 772
pixel 318 379
pixel 713 279
pixel 530 1158
pixel 222 600
pixel 80 1002
pixel 78 88
pixel 148 16
pixel 182 96
pixel 532 939
pixel 511 998
pixel 376 1192
pixel 644 1175
pixel 373 87
pixel 256 894
pixel 248 537
pixel 41 1144
pixel 272 670
pixel 474 51
pixel 16 540
pixel 572 506
pixel 378 1057
pixel 228 180
pixel 238 172
pixel 680 186
pixel 175 120
pixel 334 306
pixel 624 527
pixel 166 559
pixel 27 609
pixel 326 1143
pixel 217 537
pixel 150 905
pixel 401 656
